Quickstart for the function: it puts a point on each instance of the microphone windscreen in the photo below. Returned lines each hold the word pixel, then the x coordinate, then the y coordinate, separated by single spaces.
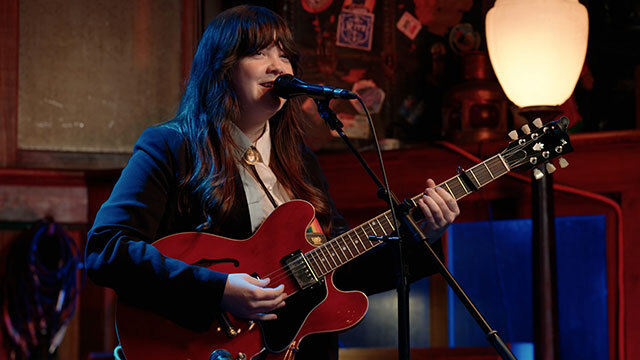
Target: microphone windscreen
pixel 282 86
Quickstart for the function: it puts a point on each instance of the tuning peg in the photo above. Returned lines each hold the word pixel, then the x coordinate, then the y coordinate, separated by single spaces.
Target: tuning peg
pixel 538 174
pixel 513 135
pixel 538 123
pixel 538 146
pixel 550 168
pixel 525 129
pixel 563 162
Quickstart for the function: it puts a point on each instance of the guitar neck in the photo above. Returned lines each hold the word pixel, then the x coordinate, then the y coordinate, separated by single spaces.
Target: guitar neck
pixel 355 242
pixel 479 176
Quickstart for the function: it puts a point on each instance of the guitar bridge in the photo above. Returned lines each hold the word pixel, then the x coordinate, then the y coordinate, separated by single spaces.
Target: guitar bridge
pixel 297 264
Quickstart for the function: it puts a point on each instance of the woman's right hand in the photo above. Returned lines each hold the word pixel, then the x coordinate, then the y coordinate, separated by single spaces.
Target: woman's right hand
pixel 250 298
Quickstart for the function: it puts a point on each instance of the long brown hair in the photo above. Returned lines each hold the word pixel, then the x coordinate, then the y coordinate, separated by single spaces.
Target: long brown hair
pixel 209 105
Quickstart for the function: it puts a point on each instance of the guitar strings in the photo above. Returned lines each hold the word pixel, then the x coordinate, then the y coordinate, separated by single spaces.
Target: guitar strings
pixel 508 154
pixel 298 264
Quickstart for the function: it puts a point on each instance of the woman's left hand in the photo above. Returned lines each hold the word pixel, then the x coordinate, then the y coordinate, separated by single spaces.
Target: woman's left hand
pixel 439 209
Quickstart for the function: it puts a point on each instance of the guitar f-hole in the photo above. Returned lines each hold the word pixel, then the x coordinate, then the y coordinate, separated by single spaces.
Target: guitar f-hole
pixel 210 262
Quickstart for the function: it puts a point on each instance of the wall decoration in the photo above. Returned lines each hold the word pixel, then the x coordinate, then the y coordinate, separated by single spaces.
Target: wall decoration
pixel 355 5
pixel 315 6
pixel 463 38
pixel 371 95
pixel 440 15
pixel 411 110
pixel 354 75
pixel 409 25
pixel 355 126
pixel 326 57
pixel 355 30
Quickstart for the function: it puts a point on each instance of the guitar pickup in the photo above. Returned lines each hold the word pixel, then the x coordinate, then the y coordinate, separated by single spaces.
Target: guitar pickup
pixel 298 266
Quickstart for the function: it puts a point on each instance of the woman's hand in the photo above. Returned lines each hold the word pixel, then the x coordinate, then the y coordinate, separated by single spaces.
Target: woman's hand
pixel 439 209
pixel 247 297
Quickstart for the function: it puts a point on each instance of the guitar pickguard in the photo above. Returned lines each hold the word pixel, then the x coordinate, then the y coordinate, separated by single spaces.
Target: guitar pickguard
pixel 278 334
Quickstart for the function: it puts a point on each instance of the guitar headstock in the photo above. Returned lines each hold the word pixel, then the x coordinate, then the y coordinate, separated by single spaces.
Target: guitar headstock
pixel 532 148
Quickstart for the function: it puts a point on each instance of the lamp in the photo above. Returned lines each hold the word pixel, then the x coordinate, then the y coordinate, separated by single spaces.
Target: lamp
pixel 537 49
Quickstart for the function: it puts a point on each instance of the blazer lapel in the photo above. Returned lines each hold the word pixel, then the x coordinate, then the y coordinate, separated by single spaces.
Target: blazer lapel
pixel 237 225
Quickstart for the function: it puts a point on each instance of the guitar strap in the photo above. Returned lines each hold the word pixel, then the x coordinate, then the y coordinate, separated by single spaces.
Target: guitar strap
pixel 252 157
pixel 266 191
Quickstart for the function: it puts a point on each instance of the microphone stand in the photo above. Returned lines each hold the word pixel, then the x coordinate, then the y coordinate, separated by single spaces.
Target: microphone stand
pixel 412 230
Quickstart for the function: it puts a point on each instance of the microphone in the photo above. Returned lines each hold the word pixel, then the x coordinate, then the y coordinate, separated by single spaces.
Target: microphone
pixel 287 86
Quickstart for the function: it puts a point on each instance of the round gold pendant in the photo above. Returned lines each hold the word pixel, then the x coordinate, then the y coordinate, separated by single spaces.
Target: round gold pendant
pixel 252 156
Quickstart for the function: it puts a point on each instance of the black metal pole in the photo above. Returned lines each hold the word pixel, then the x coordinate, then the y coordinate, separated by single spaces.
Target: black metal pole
pixel 543 250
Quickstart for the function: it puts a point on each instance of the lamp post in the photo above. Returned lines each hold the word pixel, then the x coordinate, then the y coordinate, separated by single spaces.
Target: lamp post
pixel 537 49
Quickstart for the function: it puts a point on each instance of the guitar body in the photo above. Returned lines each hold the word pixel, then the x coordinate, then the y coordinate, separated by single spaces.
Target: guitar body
pixel 319 308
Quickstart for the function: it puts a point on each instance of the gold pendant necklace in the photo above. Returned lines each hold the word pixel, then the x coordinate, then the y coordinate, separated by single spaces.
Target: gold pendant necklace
pixel 252 156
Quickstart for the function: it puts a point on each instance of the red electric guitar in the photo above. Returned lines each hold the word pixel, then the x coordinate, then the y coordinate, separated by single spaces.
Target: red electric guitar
pixel 280 251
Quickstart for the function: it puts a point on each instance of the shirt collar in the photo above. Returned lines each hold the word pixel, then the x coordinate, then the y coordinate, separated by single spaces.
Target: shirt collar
pixel 263 144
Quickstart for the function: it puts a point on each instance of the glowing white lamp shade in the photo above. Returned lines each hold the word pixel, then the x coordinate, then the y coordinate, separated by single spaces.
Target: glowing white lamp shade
pixel 537 48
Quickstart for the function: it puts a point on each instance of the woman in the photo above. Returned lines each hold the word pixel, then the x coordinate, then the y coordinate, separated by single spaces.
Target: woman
pixel 233 152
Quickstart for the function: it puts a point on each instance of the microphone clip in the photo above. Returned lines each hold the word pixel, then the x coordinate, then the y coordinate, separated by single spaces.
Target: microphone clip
pixel 328 115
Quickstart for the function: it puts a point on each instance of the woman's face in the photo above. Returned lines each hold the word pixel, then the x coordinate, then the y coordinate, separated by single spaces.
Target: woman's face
pixel 252 79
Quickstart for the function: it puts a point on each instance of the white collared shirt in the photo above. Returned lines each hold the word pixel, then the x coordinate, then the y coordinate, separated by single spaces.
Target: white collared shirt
pixel 259 204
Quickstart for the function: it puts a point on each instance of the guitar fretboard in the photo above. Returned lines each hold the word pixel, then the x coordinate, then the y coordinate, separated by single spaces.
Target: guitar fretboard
pixel 344 248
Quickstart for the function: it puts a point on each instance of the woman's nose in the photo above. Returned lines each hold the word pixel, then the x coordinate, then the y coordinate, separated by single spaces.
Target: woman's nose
pixel 277 65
